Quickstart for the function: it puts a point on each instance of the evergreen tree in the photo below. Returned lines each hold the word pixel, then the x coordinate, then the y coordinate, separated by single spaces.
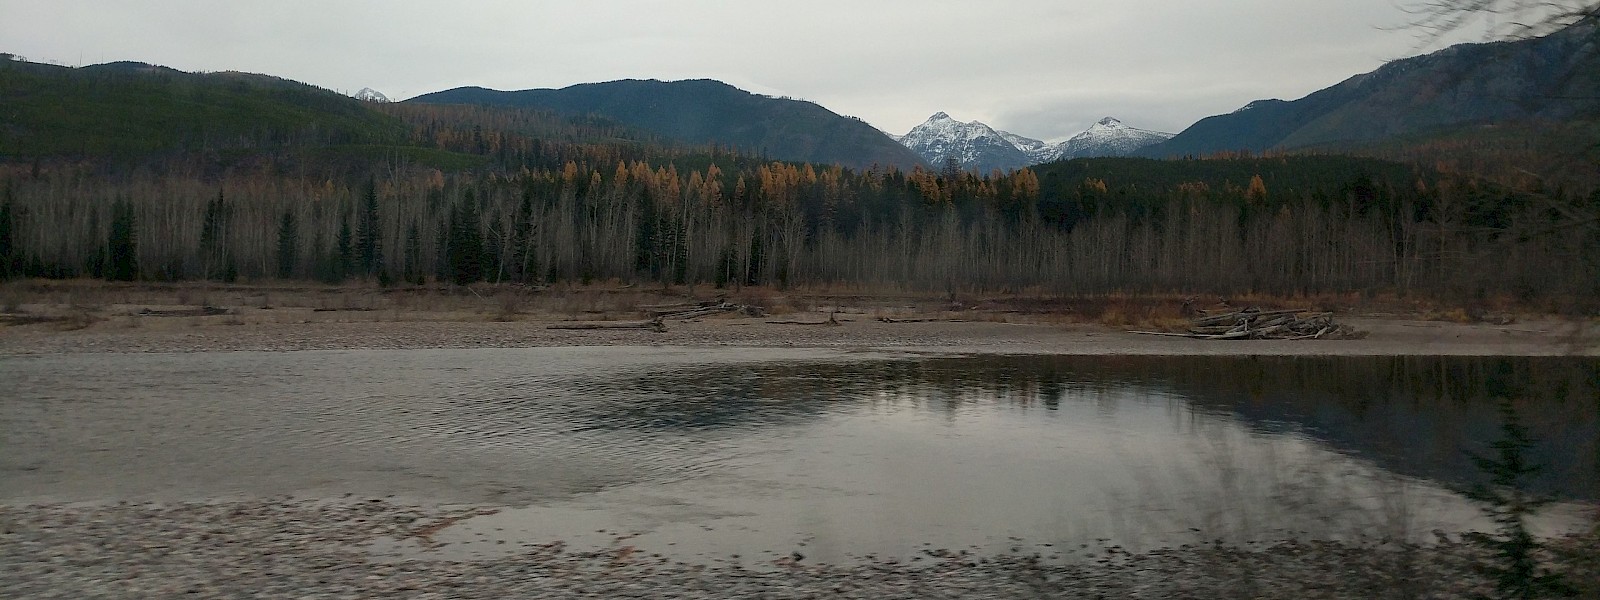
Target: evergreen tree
pixel 347 252
pixel 216 260
pixel 645 238
pixel 522 241
pixel 288 245
pixel 8 259
pixel 752 273
pixel 441 262
pixel 369 233
pixel 466 244
pixel 325 264
pixel 725 267
pixel 122 243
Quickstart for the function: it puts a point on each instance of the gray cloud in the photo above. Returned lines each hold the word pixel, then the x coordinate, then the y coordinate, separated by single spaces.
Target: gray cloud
pixel 1041 68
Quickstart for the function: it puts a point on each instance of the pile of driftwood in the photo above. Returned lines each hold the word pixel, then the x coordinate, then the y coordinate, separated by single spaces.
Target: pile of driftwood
pixel 661 313
pixel 1256 324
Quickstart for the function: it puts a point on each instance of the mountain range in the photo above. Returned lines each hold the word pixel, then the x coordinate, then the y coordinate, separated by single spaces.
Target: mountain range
pixel 1541 95
pixel 704 111
pixel 979 147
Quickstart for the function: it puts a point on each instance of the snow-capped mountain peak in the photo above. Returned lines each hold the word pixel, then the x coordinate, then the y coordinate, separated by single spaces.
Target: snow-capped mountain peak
pixel 980 147
pixel 370 95
pixel 1109 137
pixel 974 145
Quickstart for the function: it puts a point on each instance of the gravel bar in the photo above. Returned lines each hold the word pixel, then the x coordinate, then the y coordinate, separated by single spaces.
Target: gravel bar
pixel 297 548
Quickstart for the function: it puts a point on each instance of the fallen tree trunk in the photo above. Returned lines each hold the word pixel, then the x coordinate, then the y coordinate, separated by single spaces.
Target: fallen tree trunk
pixel 920 320
pixel 833 320
pixel 652 324
pixel 204 311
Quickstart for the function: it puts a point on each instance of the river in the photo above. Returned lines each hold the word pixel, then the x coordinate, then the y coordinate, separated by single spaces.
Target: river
pixel 756 454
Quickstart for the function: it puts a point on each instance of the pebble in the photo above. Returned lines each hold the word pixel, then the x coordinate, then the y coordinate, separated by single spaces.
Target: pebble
pixel 314 549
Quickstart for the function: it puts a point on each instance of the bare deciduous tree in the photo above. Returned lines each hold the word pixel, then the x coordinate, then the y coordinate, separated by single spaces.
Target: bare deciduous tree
pixel 1512 19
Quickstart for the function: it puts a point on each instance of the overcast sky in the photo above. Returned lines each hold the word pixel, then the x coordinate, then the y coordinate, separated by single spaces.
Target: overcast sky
pixel 1041 68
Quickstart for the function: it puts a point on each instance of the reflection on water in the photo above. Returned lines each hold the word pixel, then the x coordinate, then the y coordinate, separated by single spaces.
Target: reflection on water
pixel 710 453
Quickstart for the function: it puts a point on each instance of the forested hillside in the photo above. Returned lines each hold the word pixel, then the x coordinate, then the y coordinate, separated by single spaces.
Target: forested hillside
pixel 135 110
pixel 463 194
pixel 1551 79
pixel 705 112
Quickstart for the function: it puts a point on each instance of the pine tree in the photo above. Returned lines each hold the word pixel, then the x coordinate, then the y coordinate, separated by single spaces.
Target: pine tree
pixel 8 259
pixel 369 233
pixel 466 244
pixel 122 243
pixel 441 260
pixel 347 252
pixel 522 241
pixel 216 260
pixel 752 274
pixel 288 245
pixel 725 267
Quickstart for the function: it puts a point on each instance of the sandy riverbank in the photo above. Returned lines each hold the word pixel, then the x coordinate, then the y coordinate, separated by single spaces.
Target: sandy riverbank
pixel 365 330
pixel 51 317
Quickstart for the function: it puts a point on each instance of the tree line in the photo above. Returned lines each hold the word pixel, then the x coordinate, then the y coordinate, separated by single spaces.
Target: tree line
pixel 1277 225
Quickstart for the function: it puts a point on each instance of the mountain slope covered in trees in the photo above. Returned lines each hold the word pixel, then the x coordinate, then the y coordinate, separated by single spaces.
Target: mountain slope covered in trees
pixel 134 109
pixel 1553 78
pixel 702 112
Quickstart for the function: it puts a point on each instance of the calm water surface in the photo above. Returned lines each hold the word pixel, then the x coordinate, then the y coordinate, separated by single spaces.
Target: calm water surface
pixel 710 453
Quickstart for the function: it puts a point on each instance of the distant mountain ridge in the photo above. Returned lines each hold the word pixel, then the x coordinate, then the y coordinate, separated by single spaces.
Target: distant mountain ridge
pixel 977 146
pixel 1553 78
pixel 704 111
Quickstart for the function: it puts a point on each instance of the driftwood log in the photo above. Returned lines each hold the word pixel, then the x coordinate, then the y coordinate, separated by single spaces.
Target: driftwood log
pixel 651 324
pixel 1256 324
pixel 920 320
pixel 661 313
pixel 21 319
pixel 204 311
pixel 833 321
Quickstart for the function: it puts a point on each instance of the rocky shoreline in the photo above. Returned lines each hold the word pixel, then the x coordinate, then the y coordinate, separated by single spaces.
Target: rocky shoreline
pixel 297 548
